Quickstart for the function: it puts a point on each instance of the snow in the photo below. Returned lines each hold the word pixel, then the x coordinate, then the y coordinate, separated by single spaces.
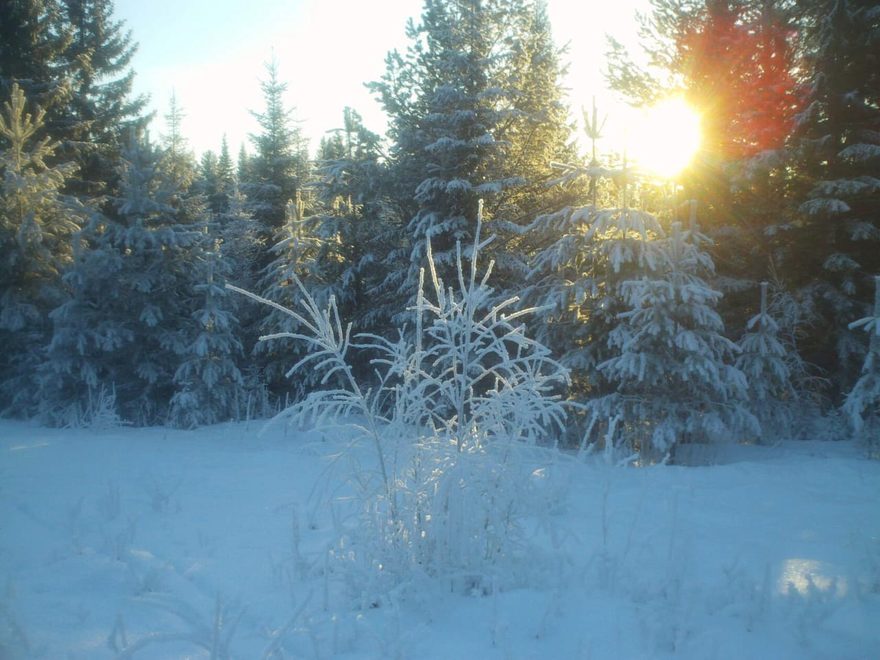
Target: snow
pixel 756 551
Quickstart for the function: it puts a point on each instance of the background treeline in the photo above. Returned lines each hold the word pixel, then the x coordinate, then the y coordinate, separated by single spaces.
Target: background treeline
pixel 114 249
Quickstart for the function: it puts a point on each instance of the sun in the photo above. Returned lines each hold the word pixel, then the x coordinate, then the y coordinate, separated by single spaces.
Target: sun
pixel 665 138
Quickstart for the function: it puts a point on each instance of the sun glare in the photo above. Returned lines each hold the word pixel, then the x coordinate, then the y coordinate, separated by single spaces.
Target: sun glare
pixel 665 138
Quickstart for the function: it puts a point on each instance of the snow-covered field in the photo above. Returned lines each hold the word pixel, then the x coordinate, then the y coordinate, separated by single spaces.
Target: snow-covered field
pixel 175 544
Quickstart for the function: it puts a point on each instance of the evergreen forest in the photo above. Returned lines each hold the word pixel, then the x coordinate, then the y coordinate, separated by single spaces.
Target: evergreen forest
pixel 739 301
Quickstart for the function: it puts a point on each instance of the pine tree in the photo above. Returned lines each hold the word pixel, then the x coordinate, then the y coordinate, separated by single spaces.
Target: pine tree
pixel 752 231
pixel 733 60
pixel 537 135
pixel 736 62
pixel 674 374
pixel 37 227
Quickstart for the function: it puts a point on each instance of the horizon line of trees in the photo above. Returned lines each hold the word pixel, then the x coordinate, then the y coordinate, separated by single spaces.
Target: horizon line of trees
pixel 735 315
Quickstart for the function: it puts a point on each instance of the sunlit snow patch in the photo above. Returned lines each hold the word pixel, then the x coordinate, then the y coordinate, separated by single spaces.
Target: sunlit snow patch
pixel 35 445
pixel 807 576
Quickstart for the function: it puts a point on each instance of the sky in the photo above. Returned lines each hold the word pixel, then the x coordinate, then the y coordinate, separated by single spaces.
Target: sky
pixel 212 54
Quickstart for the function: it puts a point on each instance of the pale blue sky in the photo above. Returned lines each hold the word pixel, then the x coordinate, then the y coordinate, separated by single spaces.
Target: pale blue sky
pixel 212 54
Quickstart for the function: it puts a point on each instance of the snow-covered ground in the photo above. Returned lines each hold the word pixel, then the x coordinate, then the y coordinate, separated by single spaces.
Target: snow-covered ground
pixel 140 539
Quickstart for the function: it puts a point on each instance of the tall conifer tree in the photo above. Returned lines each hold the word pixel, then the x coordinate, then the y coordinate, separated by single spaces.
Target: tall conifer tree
pixel 279 166
pixel 124 324
pixel 37 225
pixel 209 384
pixel 101 110
pixel 836 246
pixel 467 103
pixel 735 62
pixel 33 39
pixel 673 368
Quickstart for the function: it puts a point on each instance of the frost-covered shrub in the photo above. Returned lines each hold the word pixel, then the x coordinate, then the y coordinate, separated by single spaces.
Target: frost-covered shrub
pixel 453 424
pixel 98 412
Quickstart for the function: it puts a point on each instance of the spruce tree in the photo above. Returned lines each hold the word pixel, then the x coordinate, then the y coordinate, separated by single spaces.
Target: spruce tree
pixel 243 165
pixel 294 258
pixel 273 181
pixel 209 385
pixel 37 228
pixel 350 226
pixel 239 251
pixel 766 362
pixel 225 170
pixel 74 58
pixel 444 109
pixel 225 184
pixel 179 161
pixel 349 223
pixel 239 246
pixel 863 401
pixel 673 368
pixel 580 257
pixel 279 167
pixel 215 179
pixel 836 248
pixel 577 281
pixel 101 110
pixel 474 87
pixel 33 39
pixel 123 326
pixel 207 181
